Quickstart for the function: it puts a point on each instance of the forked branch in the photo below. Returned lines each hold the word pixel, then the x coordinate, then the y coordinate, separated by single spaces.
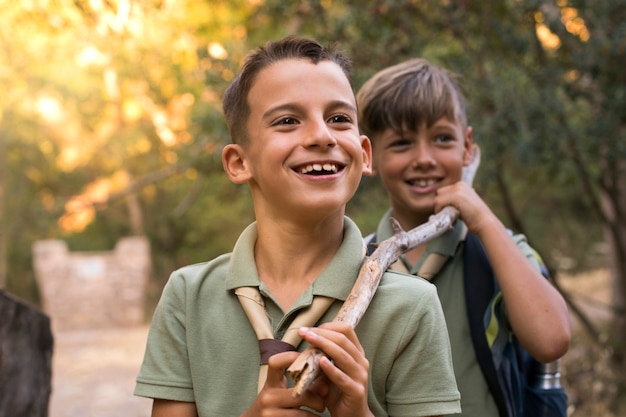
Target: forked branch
pixel 305 369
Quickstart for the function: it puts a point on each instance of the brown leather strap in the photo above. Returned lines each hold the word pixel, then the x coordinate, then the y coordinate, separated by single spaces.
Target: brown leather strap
pixel 254 307
pixel 270 347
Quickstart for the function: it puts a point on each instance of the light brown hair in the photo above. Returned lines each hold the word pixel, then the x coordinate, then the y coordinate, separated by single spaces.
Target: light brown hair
pixel 407 95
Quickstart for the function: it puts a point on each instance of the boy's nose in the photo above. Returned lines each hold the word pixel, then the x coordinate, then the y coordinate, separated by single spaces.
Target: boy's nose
pixel 320 135
pixel 423 156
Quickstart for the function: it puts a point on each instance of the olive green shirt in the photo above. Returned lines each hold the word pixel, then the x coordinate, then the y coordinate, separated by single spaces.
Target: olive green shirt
pixel 476 399
pixel 201 347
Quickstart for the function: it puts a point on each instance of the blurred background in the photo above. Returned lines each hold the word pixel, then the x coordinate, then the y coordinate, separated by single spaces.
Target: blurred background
pixel 111 129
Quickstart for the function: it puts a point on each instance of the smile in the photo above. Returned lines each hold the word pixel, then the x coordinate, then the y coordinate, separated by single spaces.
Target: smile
pixel 319 169
pixel 423 182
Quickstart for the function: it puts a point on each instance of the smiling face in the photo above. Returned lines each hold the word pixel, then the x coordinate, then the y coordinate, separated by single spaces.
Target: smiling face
pixel 305 156
pixel 414 165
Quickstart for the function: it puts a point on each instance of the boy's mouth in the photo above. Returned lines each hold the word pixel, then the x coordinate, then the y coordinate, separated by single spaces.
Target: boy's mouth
pixel 319 169
pixel 422 182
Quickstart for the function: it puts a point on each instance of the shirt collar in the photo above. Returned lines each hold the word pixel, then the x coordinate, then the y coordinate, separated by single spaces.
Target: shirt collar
pixel 335 281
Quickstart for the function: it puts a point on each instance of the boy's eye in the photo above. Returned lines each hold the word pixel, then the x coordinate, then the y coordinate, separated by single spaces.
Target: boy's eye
pixel 399 143
pixel 444 138
pixel 286 121
pixel 340 118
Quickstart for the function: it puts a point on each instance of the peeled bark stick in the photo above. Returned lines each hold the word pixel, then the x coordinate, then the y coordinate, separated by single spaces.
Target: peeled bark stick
pixel 305 369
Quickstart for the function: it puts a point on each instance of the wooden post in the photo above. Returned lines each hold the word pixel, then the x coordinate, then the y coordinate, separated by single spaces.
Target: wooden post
pixel 25 359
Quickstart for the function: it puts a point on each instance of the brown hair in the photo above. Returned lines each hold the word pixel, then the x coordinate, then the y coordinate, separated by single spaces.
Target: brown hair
pixel 235 103
pixel 407 95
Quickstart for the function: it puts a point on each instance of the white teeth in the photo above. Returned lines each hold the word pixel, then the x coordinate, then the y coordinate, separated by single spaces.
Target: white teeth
pixel 424 182
pixel 319 168
pixel 330 167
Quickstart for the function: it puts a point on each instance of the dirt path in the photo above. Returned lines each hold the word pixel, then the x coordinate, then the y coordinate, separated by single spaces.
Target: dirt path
pixel 94 373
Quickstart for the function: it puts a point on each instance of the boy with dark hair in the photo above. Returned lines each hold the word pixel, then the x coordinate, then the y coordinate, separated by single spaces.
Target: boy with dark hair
pixel 414 114
pixel 292 116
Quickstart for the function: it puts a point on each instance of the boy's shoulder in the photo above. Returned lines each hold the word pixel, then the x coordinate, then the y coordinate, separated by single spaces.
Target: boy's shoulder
pixel 195 274
pixel 400 287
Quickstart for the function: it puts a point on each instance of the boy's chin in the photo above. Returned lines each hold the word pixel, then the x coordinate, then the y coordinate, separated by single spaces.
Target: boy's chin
pixel 322 208
pixel 412 215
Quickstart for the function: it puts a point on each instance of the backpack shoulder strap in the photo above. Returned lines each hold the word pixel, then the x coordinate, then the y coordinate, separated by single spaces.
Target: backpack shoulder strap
pixel 370 243
pixel 480 288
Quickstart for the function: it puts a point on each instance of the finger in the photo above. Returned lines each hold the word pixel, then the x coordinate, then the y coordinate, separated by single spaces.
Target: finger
pixel 283 397
pixel 338 331
pixel 345 391
pixel 347 356
pixel 340 334
pixel 276 369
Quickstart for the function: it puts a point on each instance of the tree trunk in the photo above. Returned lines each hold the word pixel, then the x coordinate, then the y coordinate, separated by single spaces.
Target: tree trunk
pixel 135 214
pixel 614 204
pixel 25 359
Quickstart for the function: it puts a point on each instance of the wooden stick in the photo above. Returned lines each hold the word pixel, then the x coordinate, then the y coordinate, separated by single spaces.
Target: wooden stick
pixel 305 369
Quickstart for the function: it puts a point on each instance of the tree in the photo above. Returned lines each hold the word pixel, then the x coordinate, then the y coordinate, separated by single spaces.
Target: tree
pixel 112 122
pixel 546 88
pixel 112 125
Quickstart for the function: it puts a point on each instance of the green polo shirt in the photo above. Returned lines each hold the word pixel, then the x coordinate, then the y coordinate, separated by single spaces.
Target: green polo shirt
pixel 201 347
pixel 476 399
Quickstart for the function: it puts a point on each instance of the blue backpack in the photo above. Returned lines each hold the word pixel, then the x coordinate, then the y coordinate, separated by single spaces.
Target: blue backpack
pixel 520 385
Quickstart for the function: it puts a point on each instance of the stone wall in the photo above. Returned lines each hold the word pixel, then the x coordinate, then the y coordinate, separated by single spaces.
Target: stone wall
pixel 93 289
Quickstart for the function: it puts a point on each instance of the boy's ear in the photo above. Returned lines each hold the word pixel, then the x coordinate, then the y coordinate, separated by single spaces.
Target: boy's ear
pixel 468 146
pixel 366 147
pixel 235 163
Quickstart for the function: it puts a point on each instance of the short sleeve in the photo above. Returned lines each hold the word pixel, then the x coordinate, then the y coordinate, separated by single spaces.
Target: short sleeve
pixel 165 372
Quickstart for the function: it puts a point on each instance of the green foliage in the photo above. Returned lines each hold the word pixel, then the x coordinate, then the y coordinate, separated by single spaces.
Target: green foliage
pixel 97 96
pixel 550 121
pixel 520 101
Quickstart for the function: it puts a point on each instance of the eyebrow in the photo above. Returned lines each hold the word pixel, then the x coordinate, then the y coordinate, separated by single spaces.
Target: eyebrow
pixel 294 107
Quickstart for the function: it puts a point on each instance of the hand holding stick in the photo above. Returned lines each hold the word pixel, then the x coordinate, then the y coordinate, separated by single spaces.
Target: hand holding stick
pixel 305 369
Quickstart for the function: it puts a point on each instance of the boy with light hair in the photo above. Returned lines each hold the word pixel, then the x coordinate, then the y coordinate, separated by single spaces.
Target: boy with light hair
pixel 292 116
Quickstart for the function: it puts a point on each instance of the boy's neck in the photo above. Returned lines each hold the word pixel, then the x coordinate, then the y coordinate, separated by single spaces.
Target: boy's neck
pixel 415 254
pixel 410 220
pixel 289 259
